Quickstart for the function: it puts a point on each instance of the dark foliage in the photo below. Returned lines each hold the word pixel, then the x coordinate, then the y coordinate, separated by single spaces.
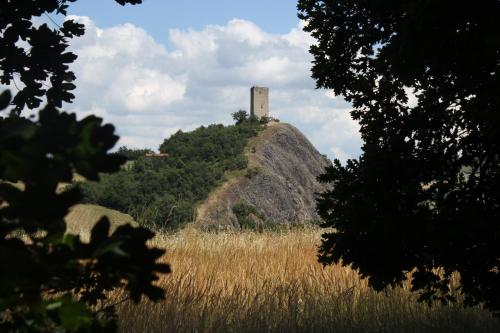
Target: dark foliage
pixel 162 192
pixel 425 193
pixel 51 281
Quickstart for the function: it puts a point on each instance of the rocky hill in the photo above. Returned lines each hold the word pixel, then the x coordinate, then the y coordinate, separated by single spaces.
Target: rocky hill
pixel 278 186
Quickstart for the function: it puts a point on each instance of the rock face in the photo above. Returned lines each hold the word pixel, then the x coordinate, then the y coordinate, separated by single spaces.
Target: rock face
pixel 279 185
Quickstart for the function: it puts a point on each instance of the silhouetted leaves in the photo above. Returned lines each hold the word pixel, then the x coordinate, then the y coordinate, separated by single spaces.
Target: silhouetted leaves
pixel 5 98
pixel 425 192
pixel 72 315
pixel 50 281
pixel 134 2
pixel 71 29
pixel 35 157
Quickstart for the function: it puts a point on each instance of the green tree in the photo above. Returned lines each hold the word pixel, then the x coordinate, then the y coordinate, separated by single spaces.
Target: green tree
pixel 51 281
pixel 132 154
pixel 425 192
pixel 240 116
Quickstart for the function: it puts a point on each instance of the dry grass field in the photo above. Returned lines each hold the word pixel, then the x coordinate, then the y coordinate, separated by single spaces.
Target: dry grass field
pixel 83 217
pixel 271 282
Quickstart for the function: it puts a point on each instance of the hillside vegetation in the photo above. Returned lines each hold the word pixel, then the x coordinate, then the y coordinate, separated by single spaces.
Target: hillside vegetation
pixel 162 192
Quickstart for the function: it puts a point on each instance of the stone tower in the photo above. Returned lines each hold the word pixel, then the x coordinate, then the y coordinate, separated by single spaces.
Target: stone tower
pixel 259 102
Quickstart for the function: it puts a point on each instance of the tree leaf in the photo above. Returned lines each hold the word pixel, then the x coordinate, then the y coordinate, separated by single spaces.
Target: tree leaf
pixel 5 98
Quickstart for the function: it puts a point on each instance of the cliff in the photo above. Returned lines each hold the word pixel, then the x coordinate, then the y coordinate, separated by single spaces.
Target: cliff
pixel 278 186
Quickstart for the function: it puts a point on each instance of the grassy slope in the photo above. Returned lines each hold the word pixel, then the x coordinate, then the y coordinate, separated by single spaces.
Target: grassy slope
pixel 82 218
pixel 272 282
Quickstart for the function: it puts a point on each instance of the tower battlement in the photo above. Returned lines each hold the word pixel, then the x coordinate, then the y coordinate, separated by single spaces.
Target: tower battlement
pixel 259 102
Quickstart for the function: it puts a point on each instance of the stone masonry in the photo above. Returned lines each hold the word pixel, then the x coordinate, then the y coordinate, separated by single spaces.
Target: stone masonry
pixel 259 102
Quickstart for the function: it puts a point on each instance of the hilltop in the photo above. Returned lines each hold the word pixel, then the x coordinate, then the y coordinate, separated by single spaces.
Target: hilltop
pixel 245 175
pixel 163 190
pixel 278 185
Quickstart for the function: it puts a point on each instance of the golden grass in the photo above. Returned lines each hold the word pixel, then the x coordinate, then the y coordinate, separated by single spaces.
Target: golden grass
pixel 83 217
pixel 271 282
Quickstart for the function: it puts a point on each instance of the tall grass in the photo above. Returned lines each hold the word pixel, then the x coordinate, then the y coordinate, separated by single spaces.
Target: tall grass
pixel 271 282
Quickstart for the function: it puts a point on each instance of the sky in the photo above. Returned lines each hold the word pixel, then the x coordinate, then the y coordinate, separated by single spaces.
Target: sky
pixel 155 68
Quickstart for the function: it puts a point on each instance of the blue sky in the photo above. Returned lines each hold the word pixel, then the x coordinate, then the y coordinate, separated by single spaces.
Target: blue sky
pixel 157 16
pixel 161 66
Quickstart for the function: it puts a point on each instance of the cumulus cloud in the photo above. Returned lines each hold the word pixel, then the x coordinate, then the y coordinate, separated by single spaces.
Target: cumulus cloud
pixel 149 92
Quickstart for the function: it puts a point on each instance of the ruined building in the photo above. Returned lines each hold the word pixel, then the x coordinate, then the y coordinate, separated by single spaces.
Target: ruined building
pixel 259 102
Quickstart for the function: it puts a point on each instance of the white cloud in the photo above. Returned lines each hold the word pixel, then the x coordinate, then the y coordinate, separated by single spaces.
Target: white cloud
pixel 140 89
pixel 298 38
pixel 245 32
pixel 149 92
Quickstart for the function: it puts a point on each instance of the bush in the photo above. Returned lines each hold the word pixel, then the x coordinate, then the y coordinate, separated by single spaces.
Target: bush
pixel 248 216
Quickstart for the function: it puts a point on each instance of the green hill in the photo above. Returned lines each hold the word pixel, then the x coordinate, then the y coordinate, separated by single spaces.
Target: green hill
pixel 163 192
